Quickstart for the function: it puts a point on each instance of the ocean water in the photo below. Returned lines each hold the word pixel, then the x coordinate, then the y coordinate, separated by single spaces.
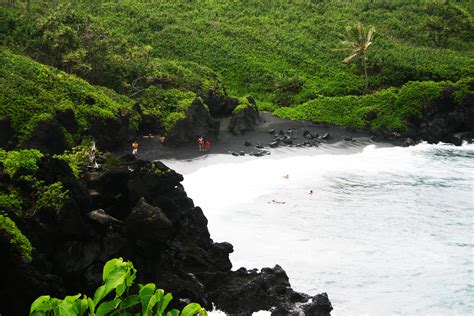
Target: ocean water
pixel 387 231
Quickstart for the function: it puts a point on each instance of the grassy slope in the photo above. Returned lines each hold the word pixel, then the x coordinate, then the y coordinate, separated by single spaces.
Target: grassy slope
pixel 32 92
pixel 278 50
pixel 258 45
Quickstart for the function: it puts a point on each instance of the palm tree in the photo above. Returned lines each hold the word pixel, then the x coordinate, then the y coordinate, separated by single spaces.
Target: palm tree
pixel 356 42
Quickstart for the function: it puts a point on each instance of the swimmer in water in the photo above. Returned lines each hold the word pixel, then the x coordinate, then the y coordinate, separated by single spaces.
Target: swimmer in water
pixel 286 177
pixel 311 192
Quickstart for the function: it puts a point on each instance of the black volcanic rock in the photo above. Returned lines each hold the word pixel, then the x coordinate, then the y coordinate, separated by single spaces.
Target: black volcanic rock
pixel 155 225
pixel 47 136
pixel 6 133
pixel 198 122
pixel 245 120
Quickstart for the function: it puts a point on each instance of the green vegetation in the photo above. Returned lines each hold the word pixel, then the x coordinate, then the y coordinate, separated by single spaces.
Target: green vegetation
pixel 118 277
pixel 257 44
pixel 11 200
pixel 14 160
pixel 50 196
pixel 32 92
pixel 392 107
pixel 78 157
pixel 162 54
pixel 243 104
pixel 45 195
pixel 11 231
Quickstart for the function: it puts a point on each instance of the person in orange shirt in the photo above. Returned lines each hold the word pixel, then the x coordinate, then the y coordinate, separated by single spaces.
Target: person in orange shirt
pixel 135 149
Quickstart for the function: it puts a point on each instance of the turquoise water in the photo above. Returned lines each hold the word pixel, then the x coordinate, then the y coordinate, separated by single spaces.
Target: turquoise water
pixel 387 231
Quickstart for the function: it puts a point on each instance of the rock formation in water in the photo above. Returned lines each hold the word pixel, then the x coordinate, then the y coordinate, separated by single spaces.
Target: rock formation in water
pixel 139 211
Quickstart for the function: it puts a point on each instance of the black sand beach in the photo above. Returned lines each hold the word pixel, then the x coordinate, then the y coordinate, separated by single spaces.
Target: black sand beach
pixel 152 149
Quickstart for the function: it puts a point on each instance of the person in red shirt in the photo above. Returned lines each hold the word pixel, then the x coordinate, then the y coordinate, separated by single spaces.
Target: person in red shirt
pixel 207 144
pixel 200 143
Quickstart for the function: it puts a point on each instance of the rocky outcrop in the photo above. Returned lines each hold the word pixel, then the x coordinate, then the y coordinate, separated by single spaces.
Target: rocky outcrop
pixel 220 105
pixel 198 122
pixel 110 132
pixel 149 123
pixel 448 119
pixel 244 118
pixel 47 136
pixel 138 211
pixel 6 133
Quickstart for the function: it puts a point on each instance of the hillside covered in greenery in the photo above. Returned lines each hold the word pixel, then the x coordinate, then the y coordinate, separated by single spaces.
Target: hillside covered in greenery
pixel 163 54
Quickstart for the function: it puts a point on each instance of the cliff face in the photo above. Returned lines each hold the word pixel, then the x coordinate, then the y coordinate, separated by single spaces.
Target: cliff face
pixel 138 211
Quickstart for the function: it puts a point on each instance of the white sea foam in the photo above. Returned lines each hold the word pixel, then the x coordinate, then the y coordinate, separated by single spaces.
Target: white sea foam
pixel 387 230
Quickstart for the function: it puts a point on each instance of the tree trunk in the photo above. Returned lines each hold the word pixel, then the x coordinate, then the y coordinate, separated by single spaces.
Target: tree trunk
pixel 366 87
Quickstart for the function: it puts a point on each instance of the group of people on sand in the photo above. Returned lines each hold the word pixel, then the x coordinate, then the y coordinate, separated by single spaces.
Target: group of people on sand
pixel 203 144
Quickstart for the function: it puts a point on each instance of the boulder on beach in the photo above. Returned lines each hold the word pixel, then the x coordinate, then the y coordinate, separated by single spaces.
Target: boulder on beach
pixel 197 122
pixel 245 117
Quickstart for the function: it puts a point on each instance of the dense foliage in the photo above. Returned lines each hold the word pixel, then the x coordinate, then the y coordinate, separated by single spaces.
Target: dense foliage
pixel 27 159
pixel 32 92
pixel 118 277
pixel 162 54
pixel 258 45
pixel 16 237
pixel 391 108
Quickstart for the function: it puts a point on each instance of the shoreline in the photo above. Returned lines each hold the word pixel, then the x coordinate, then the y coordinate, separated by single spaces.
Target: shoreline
pixel 152 149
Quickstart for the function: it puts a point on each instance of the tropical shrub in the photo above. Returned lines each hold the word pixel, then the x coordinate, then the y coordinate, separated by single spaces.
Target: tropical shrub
pixel 14 160
pixel 9 228
pixel 118 277
pixel 51 196
pixel 392 107
pixel 11 200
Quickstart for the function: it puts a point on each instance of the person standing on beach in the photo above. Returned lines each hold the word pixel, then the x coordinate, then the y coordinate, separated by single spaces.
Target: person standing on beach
pixel 135 149
pixel 207 144
pixel 200 143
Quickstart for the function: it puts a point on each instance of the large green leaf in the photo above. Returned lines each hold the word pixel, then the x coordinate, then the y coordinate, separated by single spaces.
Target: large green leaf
pixel 146 293
pixel 110 266
pixel 91 305
pixel 164 303
pixel 66 308
pixel 106 307
pixel 130 301
pixel 81 306
pixel 173 312
pixel 191 309
pixel 99 294
pixel 115 279
pixel 72 299
pixel 42 303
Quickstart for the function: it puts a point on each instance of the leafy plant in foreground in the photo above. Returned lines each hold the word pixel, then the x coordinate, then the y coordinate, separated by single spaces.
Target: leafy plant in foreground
pixel 118 276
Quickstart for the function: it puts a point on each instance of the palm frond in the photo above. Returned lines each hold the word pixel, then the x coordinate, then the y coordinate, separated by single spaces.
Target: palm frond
pixel 349 58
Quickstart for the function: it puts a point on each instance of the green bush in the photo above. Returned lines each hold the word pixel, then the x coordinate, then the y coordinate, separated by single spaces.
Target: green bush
pixel 392 106
pixel 32 93
pixel 9 228
pixel 14 160
pixel 118 276
pixel 50 196
pixel 243 104
pixel 11 200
